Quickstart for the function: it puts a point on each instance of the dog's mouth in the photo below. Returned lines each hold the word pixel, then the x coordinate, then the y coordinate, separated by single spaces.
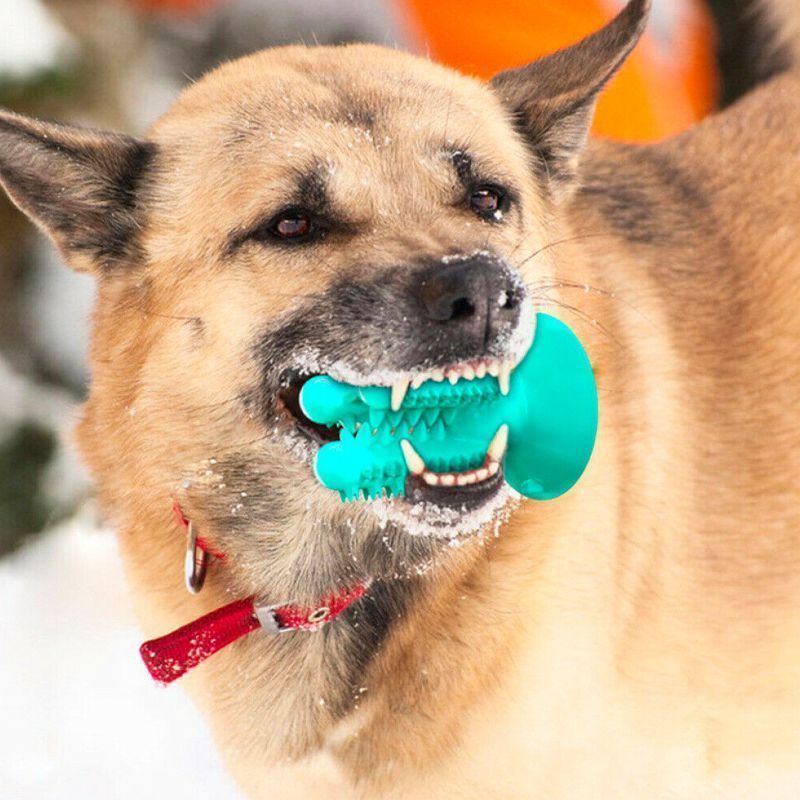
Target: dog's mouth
pixel 466 489
pixel 292 384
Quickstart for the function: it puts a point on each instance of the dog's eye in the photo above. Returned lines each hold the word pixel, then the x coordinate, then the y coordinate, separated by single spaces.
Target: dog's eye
pixel 489 202
pixel 292 224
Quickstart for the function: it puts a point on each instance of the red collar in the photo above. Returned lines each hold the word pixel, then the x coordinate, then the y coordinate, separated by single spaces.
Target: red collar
pixel 170 656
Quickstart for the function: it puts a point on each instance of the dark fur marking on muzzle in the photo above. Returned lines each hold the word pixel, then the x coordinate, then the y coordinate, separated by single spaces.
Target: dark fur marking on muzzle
pixel 380 324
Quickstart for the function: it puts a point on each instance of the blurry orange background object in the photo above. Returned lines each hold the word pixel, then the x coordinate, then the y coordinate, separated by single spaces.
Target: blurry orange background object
pixel 668 83
pixel 178 7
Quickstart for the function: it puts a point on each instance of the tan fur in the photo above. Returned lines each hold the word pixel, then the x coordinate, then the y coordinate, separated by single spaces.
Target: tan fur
pixel 638 637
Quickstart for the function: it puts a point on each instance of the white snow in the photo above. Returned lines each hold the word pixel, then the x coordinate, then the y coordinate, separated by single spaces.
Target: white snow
pixel 32 39
pixel 56 307
pixel 79 715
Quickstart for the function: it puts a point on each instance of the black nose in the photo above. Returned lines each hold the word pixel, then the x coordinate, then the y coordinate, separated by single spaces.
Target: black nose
pixel 475 296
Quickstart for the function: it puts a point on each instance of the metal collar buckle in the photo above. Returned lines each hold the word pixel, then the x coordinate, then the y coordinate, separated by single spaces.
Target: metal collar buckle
pixel 269 620
pixel 195 562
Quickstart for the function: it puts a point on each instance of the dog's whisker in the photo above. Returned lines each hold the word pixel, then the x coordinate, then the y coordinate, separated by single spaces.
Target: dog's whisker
pixel 148 313
pixel 518 245
pixel 588 289
pixel 558 242
pixel 449 104
pixel 209 406
pixel 544 302
pixel 547 283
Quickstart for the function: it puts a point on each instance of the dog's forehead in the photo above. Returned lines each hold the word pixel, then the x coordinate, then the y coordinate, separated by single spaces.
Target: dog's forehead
pixel 331 99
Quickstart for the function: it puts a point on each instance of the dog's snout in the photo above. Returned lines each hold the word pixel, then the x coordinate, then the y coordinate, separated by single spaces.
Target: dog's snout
pixel 474 296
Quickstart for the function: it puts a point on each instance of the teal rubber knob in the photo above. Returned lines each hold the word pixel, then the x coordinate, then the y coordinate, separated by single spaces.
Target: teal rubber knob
pixel 550 410
pixel 552 414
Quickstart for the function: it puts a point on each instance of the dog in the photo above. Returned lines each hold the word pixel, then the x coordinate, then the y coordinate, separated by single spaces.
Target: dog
pixel 357 211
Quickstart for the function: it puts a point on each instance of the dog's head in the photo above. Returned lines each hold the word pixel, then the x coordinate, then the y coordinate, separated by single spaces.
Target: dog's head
pixel 353 211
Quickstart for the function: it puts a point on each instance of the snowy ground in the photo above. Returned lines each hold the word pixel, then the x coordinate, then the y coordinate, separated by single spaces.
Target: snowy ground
pixel 79 716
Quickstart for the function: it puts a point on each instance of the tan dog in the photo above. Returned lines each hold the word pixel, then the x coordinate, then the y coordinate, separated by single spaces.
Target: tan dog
pixel 295 213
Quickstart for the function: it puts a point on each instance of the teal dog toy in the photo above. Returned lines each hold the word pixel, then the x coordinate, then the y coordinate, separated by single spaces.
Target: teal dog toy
pixel 542 429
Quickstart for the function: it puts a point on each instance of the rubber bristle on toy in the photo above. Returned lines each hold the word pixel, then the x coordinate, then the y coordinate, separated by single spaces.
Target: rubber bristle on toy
pixel 550 410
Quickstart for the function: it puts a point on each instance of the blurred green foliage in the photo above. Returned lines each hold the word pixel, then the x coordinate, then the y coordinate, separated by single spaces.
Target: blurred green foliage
pixel 24 456
pixel 39 88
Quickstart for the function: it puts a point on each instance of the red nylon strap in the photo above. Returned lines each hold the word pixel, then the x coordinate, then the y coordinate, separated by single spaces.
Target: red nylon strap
pixel 173 655
pixel 309 619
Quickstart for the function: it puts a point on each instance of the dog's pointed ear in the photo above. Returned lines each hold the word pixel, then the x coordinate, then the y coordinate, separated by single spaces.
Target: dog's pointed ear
pixel 78 185
pixel 552 100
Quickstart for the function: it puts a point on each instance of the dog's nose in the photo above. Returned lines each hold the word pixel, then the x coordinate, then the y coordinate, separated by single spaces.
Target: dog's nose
pixel 474 296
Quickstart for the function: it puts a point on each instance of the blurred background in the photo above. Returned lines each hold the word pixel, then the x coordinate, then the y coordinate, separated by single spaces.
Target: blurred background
pixel 68 665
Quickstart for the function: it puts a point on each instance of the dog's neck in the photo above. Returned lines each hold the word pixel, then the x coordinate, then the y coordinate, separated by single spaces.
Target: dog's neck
pixel 326 669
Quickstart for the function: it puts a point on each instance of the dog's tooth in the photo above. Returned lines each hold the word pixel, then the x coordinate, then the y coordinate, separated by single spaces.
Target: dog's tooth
pixel 430 478
pixel 437 375
pixel 480 370
pixel 418 381
pixel 399 389
pixel 482 473
pixel 447 479
pixel 453 376
pixel 470 477
pixel 493 368
pixel 414 462
pixel 493 467
pixel 468 372
pixel 497 448
pixel 504 377
pixel 462 480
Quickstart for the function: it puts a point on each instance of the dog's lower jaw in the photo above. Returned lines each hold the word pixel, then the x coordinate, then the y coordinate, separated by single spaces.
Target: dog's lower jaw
pixel 453 524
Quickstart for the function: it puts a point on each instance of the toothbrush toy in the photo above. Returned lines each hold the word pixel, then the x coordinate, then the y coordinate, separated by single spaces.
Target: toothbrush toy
pixel 541 424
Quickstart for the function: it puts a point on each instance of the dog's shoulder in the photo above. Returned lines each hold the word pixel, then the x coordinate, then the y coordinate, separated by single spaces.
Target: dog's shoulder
pixel 721 190
pixel 731 169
